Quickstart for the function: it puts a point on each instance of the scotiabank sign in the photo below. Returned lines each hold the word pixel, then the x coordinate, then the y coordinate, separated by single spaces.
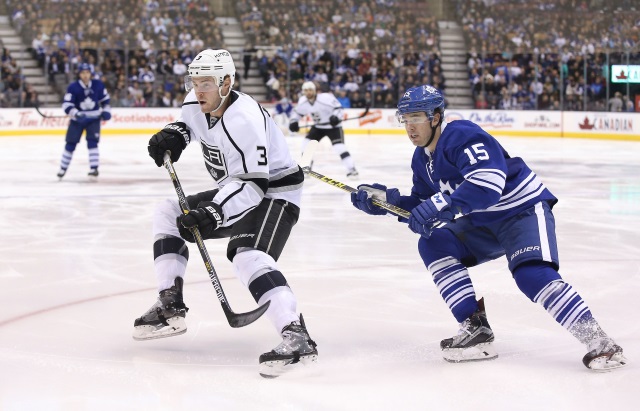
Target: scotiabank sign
pixel 625 74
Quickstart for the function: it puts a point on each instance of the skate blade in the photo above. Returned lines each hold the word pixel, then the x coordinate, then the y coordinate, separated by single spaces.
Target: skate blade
pixel 606 364
pixel 480 352
pixel 274 369
pixel 177 326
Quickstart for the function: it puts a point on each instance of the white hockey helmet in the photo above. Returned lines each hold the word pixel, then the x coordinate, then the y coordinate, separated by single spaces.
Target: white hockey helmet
pixel 308 85
pixel 212 63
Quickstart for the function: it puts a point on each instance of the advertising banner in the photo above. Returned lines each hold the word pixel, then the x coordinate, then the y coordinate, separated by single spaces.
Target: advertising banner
pixel 625 74
pixel 603 125
pixel 125 121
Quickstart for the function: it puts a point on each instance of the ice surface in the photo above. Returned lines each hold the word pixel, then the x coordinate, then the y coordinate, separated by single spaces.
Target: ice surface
pixel 77 269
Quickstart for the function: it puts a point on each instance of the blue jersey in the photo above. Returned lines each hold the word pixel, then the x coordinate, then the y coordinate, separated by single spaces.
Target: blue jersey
pixel 284 108
pixel 477 172
pixel 91 100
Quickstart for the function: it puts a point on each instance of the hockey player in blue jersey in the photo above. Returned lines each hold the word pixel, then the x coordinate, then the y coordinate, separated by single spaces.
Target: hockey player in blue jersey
pixel 471 202
pixel 282 113
pixel 86 102
pixel 284 107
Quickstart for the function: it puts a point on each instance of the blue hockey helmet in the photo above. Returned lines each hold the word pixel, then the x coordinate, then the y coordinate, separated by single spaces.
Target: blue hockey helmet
pixel 85 67
pixel 424 98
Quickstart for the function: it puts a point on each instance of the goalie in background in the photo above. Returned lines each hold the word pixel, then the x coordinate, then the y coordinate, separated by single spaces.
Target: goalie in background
pixel 326 112
pixel 86 102
pixel 471 202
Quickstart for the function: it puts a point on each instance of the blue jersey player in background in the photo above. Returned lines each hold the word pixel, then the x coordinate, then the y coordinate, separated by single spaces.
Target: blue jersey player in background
pixel 282 113
pixel 471 202
pixel 86 102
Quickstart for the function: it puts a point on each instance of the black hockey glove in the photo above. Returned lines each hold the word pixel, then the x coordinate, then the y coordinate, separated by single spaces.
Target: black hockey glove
pixel 294 127
pixel 173 137
pixel 207 217
pixel 334 121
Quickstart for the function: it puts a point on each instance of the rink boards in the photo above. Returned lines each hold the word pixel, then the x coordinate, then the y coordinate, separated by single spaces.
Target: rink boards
pixel 572 124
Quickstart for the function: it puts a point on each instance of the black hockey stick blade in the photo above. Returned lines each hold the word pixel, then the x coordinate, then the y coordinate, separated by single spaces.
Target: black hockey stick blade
pixel 400 212
pixel 47 116
pixel 242 319
pixel 235 320
pixel 366 111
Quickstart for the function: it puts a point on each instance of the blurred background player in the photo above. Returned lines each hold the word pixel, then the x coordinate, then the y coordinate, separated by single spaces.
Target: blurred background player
pixel 255 205
pixel 326 112
pixel 282 113
pixel 86 102
pixel 501 208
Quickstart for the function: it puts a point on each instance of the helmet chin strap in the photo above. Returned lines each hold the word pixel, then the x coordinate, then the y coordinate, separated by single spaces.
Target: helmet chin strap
pixel 433 132
pixel 222 98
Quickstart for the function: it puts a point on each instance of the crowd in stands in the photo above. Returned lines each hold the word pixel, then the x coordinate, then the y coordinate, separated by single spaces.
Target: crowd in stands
pixel 370 50
pixel 139 48
pixel 548 54
pixel 12 90
pixel 367 52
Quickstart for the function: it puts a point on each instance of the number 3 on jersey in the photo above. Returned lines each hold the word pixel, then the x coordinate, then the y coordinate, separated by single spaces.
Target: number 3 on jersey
pixel 479 153
pixel 262 156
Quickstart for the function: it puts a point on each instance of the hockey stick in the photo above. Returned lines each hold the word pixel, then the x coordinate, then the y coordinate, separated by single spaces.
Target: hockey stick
pixel 305 165
pixel 366 111
pixel 235 320
pixel 400 212
pixel 48 116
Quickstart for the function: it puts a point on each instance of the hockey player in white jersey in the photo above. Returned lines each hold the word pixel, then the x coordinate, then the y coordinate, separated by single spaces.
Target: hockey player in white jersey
pixel 326 112
pixel 255 205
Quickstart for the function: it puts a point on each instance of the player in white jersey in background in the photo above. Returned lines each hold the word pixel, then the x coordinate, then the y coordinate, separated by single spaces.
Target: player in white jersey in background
pixel 256 205
pixel 326 112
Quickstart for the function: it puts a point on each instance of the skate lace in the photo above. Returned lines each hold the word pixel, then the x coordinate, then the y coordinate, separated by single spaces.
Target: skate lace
pixel 290 342
pixel 463 332
pixel 294 338
pixel 601 345
pixel 465 327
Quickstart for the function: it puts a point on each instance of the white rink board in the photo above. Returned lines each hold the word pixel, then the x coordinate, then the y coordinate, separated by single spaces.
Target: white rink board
pixel 127 121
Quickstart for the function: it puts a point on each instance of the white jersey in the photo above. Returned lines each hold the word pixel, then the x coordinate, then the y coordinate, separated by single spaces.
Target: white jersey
pixel 246 154
pixel 325 106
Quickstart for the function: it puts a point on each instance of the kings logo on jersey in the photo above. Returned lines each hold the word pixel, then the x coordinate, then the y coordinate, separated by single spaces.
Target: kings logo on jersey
pixel 214 160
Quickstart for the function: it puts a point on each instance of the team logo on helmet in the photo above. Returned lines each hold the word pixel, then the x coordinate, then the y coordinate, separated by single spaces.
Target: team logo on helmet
pixel 211 63
pixel 430 89
pixel 424 98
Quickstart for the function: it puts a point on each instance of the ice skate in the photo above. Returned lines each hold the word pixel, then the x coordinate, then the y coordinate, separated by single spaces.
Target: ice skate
pixel 296 349
pixel 165 318
pixel 604 355
pixel 61 173
pixel 353 174
pixel 93 173
pixel 473 341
